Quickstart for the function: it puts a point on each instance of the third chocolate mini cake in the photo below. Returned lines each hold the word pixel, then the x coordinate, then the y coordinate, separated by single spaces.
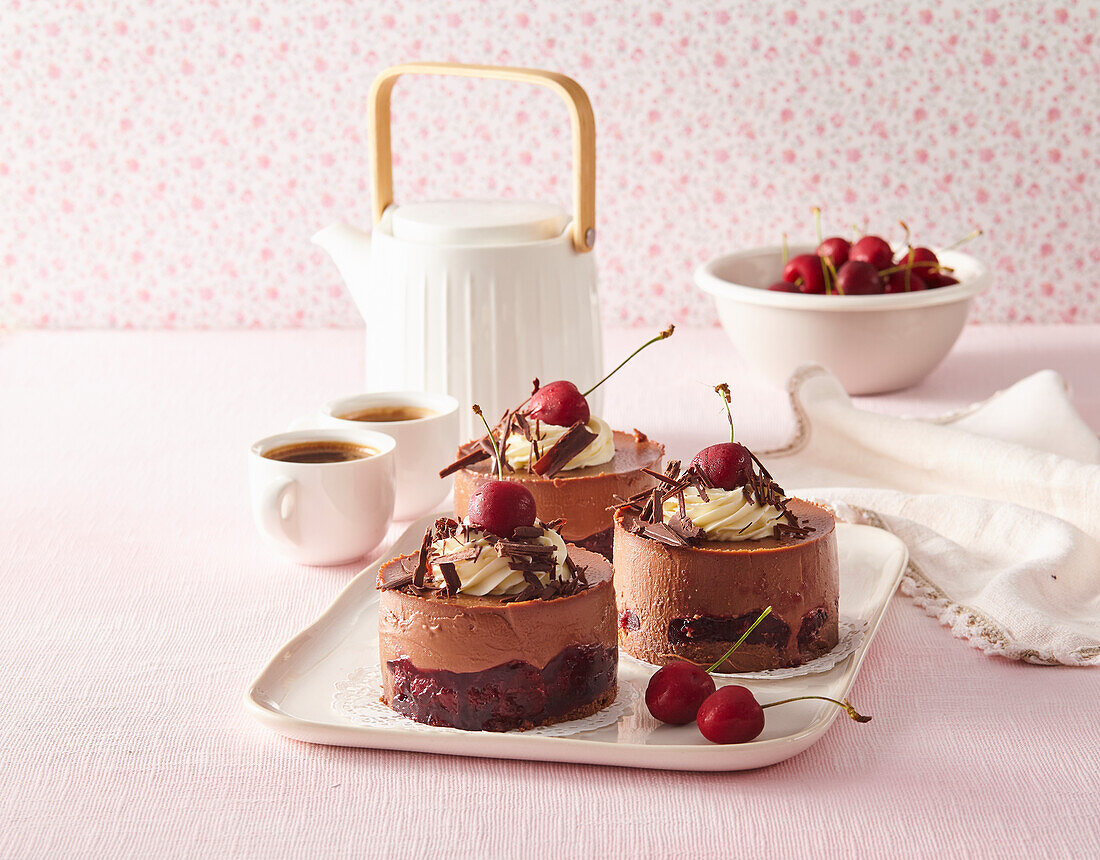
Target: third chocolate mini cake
pixel 700 556
pixel 571 461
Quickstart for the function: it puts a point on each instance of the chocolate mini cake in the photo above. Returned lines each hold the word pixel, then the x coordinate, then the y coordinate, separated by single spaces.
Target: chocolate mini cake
pixel 571 461
pixel 700 557
pixel 483 633
pixel 582 497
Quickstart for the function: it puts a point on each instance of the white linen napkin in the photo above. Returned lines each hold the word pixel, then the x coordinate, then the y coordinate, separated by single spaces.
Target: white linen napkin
pixel 998 503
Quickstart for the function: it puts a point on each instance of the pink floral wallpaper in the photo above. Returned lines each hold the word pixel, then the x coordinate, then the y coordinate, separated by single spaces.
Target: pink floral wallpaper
pixel 165 163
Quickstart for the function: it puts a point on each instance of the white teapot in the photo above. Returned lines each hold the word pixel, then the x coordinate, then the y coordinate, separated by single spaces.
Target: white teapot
pixel 476 298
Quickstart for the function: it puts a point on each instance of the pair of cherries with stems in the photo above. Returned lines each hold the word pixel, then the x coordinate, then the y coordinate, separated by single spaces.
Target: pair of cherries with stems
pixel 863 267
pixel 683 692
pixel 501 506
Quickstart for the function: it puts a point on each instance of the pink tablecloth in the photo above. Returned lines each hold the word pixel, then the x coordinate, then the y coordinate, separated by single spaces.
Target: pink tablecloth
pixel 136 603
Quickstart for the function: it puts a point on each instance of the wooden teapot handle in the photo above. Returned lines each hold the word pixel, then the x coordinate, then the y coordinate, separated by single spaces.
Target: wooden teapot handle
pixel 580 112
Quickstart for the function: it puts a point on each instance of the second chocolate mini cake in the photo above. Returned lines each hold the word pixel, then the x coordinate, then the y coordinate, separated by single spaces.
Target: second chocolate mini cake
pixel 571 461
pixel 698 558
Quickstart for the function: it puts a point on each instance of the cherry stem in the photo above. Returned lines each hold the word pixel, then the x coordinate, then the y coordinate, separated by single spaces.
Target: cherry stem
pixel 905 227
pixel 786 251
pixel 846 705
pixel 817 222
pixel 911 264
pixel 496 451
pixel 830 275
pixel 724 390
pixel 664 335
pixel 737 644
pixel 969 237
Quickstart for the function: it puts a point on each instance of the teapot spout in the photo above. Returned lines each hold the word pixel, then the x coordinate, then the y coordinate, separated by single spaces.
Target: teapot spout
pixel 349 248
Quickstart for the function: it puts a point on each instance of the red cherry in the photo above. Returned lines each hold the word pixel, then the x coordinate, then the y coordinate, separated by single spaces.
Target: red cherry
pixel 858 278
pixel 784 287
pixel 500 507
pixel 727 465
pixel 731 715
pixel 805 270
pixel 920 260
pixel 939 279
pixel 559 403
pixel 874 250
pixel 676 691
pixel 896 283
pixel 836 249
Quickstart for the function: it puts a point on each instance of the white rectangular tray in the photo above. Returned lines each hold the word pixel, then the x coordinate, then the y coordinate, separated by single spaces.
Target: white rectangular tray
pixel 293 694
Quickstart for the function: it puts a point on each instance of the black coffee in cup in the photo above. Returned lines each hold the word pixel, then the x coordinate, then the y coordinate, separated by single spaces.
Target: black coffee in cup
pixel 321 451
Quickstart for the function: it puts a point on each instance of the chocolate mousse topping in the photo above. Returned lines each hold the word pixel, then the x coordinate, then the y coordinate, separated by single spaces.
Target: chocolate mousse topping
pixel 643 513
pixel 522 552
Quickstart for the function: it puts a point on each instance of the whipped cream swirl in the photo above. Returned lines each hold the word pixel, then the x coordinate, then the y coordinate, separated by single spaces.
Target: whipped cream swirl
pixel 518 453
pixel 727 516
pixel 489 573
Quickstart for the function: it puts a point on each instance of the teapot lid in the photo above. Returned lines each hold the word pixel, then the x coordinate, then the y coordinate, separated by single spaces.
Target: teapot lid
pixel 478 222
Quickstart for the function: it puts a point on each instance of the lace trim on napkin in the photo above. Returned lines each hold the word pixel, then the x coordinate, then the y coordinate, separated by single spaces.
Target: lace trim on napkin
pixel 964 622
pixel 357 699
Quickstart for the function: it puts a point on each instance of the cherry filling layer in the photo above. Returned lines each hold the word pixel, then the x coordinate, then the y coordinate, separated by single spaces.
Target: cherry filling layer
pixel 772 632
pixel 512 695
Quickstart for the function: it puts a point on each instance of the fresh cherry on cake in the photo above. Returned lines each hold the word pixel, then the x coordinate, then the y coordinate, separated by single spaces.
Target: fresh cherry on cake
pixel 500 507
pixel 858 278
pixel 836 249
pixel 874 250
pixel 562 404
pixel 806 271
pixel 559 403
pixel 727 465
pixel 676 691
pixel 730 715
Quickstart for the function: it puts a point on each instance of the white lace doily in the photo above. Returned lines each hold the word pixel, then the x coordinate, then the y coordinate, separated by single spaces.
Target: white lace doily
pixel 852 631
pixel 358 699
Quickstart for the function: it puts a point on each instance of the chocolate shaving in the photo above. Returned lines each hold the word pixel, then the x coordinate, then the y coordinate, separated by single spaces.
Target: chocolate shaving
pixel 527 532
pixel 511 548
pixel 555 525
pixel 531 592
pixel 662 534
pixel 450 577
pixel 422 560
pixel 639 436
pixel 462 462
pixel 576 439
pixel 396 577
pixel 683 527
pixel 664 479
pixel 469 553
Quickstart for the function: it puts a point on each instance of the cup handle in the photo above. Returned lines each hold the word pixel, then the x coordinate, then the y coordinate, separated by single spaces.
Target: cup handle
pixel 275 496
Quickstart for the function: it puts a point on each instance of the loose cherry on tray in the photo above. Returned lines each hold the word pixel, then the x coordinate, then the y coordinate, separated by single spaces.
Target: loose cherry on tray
pixel 807 271
pixel 676 691
pixel 874 250
pixel 730 715
pixel 858 278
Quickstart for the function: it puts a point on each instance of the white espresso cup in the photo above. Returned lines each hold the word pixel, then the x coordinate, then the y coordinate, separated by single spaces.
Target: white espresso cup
pixel 323 513
pixel 424 444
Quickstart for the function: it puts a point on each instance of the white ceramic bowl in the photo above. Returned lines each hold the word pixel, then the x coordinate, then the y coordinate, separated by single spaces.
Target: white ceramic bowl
pixel 873 344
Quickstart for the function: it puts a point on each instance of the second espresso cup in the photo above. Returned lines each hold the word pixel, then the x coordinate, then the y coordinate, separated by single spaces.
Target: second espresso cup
pixel 425 427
